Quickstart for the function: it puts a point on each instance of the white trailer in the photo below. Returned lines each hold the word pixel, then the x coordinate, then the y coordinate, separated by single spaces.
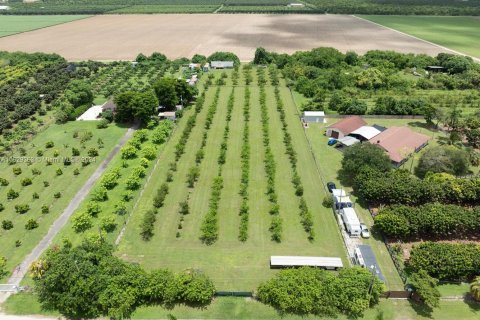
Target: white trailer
pixel 341 199
pixel 350 219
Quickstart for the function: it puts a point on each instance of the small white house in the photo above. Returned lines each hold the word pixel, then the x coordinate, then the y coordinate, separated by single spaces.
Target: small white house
pixel 221 64
pixel 350 219
pixel 167 115
pixel 4 8
pixel 206 67
pixel 314 116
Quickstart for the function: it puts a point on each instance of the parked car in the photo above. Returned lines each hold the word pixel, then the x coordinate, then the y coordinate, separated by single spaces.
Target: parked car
pixel 365 233
pixel 331 186
pixel 331 141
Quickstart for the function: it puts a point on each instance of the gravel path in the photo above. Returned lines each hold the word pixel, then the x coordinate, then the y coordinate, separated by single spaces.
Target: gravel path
pixel 22 269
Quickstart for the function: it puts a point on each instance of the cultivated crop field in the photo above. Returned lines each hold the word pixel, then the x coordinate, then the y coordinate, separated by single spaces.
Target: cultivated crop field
pixel 457 33
pixel 15 24
pixel 205 221
pixel 121 37
pixel 38 182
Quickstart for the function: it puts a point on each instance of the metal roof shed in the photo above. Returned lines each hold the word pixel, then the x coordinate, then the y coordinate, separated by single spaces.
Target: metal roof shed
pixel 348 141
pixel 300 261
pixel 365 132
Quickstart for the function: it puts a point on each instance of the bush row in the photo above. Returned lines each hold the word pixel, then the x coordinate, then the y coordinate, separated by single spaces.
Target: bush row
pixel 269 162
pixel 245 167
pixel 247 74
pixel 305 213
pixel 446 261
pixel 401 187
pixel 209 227
pixel 428 220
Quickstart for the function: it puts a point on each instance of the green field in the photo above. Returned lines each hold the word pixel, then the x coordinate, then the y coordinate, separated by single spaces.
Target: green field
pixel 15 24
pixel 233 265
pixel 456 33
pixel 67 183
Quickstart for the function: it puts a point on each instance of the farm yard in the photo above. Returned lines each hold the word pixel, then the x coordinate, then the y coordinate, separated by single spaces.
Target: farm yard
pixel 123 36
pixel 232 263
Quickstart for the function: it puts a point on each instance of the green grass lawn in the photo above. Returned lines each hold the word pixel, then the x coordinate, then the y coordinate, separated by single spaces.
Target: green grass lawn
pixel 457 33
pixel 15 24
pixel 231 264
pixel 67 183
pixel 246 308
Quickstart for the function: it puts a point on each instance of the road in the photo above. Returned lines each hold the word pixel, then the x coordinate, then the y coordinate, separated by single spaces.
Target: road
pixel 22 269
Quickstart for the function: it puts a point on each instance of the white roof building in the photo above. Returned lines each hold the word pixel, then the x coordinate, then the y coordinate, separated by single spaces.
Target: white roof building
pixel 366 132
pixel 300 261
pixel 221 64
pixel 348 141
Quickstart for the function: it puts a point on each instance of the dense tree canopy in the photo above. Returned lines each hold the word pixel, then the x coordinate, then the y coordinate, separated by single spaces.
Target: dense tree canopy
pixel 133 105
pixel 363 155
pixel 447 159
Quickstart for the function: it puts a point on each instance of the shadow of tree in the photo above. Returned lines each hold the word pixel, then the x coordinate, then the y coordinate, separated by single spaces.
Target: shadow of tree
pixel 421 309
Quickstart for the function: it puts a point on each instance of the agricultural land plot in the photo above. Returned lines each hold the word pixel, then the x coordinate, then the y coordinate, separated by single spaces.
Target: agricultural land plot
pixel 232 264
pixel 456 33
pixel 121 37
pixel 15 24
pixel 151 9
pixel 37 188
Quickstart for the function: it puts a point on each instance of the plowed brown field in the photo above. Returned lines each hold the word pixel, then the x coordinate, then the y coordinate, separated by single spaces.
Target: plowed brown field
pixel 122 37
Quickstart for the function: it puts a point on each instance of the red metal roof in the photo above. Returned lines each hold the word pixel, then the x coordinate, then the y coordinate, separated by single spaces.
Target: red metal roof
pixel 399 142
pixel 349 124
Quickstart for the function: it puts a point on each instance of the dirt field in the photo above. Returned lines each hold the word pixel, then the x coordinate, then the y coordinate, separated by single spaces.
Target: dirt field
pixel 122 37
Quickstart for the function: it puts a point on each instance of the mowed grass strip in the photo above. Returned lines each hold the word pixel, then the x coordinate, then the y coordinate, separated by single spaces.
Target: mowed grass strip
pixel 456 33
pixel 67 183
pixel 15 24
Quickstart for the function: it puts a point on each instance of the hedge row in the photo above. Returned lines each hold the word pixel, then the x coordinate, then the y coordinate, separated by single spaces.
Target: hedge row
pixel 276 223
pixel 305 213
pixel 247 74
pixel 209 228
pixel 446 261
pixel 245 162
pixel 429 220
pixel 401 187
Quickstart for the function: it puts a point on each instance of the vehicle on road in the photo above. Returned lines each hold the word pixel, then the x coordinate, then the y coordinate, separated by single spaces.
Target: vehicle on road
pixel 331 141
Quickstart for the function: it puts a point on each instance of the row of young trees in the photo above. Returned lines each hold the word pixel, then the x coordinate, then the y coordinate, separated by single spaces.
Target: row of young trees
pixel 305 213
pixel 89 281
pixel 209 227
pixel 269 162
pixel 245 167
pixel 149 217
pixel 431 220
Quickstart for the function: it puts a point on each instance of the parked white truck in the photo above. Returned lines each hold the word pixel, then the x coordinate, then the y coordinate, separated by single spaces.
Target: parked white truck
pixel 351 222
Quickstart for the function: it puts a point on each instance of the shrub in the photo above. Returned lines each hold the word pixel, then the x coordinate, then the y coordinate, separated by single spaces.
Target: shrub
pixel 139 172
pixel 276 229
pixel 100 194
pixel 192 176
pixel 92 152
pixel 39 153
pixel 327 201
pixel 26 182
pixel 45 209
pixel 57 195
pixel 194 287
pixel 49 144
pixel 121 208
pixel 31 224
pixel 17 171
pixel 110 179
pixel 108 223
pixel 2 207
pixel 36 172
pixel 12 194
pixel 46 184
pixel 22 208
pixel 102 124
pixel 160 196
pixel 426 288
pixel 149 152
pixel 76 172
pixel 7 224
pixel 133 183
pixel 67 161
pixel 147 225
pixel 129 152
pixel 75 152
pixel 59 172
pixel 144 162
pixel 93 208
pixel 35 195
pixel 184 208
pixel 4 182
pixel 82 222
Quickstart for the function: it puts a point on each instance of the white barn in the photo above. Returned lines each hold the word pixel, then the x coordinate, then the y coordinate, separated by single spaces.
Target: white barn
pixel 314 116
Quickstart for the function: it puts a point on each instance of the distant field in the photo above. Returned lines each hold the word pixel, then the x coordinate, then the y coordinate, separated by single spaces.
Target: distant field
pixel 457 33
pixel 167 9
pixel 15 24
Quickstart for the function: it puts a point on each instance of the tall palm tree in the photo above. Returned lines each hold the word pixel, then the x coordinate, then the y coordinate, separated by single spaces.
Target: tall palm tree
pixel 475 288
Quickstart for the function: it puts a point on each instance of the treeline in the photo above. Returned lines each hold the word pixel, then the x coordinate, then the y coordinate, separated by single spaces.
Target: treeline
pixel 342 82
pixel 401 187
pixel 110 287
pixel 306 218
pixel 446 261
pixel 431 220
pixel 276 226
pixel 209 227
pixel 147 224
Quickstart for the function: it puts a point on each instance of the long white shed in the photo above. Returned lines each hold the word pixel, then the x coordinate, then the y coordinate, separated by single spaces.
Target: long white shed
pixel 331 263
